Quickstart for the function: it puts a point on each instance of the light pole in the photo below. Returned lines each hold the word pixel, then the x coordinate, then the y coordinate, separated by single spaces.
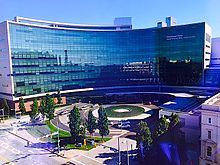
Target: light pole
pixel 119 154
pixel 127 151
pixel 58 136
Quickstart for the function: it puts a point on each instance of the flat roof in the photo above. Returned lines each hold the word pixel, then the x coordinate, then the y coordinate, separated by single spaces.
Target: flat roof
pixel 83 27
pixel 18 19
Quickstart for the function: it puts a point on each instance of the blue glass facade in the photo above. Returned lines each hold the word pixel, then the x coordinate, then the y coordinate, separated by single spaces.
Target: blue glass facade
pixel 48 59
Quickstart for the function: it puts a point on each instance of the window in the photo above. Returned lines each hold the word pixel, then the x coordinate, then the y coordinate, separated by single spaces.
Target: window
pixel 208 37
pixel 209 120
pixel 207 46
pixel 209 151
pixel 209 134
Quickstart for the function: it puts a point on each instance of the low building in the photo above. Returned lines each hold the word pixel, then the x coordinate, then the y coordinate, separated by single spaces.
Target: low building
pixel 210 131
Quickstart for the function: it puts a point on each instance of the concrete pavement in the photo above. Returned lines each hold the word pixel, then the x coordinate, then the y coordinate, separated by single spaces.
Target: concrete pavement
pixel 106 153
pixel 15 151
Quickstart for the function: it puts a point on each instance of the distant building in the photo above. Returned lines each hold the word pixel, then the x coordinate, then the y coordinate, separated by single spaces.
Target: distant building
pixel 210 131
pixel 212 75
pixel 123 21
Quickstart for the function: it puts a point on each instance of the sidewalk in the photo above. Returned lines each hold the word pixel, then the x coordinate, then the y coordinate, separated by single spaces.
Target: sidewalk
pixel 12 120
pixel 69 154
pixel 23 134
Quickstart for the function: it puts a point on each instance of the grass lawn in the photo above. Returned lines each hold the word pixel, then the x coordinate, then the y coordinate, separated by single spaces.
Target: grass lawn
pixel 133 111
pixel 53 129
pixel 84 147
pixel 98 139
pixel 88 146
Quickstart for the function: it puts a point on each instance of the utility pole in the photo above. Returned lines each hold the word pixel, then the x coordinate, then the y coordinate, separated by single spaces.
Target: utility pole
pixel 127 153
pixel 58 137
pixel 119 154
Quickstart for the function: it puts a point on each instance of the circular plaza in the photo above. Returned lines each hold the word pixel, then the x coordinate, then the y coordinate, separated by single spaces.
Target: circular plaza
pixel 119 112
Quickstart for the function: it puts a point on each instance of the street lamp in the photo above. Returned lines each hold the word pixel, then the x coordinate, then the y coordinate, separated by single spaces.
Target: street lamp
pixel 58 136
pixel 119 154
pixel 127 152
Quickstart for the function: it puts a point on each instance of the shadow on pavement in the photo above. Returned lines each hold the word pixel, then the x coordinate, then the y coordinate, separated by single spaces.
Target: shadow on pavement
pixel 47 145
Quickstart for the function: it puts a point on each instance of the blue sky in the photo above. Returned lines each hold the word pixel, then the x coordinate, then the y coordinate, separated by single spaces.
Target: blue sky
pixel 144 13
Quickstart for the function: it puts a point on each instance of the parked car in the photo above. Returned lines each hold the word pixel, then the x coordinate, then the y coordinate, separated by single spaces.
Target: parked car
pixel 124 122
pixel 79 145
pixel 124 126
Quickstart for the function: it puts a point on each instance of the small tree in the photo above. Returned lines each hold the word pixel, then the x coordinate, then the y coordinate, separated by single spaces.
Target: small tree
pixel 103 122
pixel 173 127
pixel 59 98
pixel 50 109
pixel 34 109
pixel 144 139
pixel 47 100
pixel 21 106
pixel 74 123
pixel 82 132
pixel 91 123
pixel 174 120
pixel 6 107
pixel 162 127
pixel 42 107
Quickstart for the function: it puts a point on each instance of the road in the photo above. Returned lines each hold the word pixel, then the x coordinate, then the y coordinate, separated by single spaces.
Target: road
pixel 13 151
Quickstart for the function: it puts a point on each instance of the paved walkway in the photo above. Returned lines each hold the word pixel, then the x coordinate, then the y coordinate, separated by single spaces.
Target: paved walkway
pixel 106 153
pixel 10 121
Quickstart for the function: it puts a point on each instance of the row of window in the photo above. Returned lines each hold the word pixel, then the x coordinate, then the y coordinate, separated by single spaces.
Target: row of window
pixel 104 58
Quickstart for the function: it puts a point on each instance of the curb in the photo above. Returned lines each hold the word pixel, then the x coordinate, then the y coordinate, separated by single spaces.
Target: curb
pixel 19 136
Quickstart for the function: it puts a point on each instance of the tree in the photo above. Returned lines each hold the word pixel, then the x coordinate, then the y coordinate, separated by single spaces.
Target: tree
pixel 91 123
pixel 82 132
pixel 49 107
pixel 173 127
pixel 174 120
pixel 162 127
pixel 144 139
pixel 59 98
pixel 42 107
pixel 74 123
pixel 34 109
pixel 21 106
pixel 103 122
pixel 6 107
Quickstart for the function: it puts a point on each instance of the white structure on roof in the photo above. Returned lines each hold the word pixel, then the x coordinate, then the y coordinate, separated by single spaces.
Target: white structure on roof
pixel 171 21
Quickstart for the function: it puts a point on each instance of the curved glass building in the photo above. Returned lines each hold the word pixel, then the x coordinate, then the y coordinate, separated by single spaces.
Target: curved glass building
pixel 38 57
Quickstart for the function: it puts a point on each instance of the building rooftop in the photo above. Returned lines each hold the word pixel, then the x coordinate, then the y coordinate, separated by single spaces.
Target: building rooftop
pixel 212 104
pixel 215 100
pixel 118 26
